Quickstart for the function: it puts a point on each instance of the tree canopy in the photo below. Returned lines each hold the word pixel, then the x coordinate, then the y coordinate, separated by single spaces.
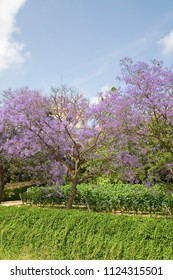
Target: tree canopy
pixel 65 137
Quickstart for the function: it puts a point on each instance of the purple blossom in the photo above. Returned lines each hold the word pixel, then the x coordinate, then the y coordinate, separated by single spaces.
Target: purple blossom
pixel 128 131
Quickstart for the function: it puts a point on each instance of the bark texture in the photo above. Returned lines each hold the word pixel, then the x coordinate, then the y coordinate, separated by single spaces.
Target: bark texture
pixel 2 183
pixel 72 195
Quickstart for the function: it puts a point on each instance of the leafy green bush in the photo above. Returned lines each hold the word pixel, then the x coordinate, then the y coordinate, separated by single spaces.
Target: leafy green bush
pixel 10 194
pixel 40 233
pixel 110 197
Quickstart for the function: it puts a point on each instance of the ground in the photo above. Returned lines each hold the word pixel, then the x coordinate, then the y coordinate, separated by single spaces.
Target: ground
pixel 11 203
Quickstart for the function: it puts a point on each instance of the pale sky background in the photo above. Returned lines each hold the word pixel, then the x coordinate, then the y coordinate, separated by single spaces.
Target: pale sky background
pixel 80 42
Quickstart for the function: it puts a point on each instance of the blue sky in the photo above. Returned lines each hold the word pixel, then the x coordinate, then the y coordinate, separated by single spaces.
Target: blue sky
pixel 80 42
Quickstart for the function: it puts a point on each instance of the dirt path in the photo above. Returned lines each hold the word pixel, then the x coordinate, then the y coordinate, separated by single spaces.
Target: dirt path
pixel 11 203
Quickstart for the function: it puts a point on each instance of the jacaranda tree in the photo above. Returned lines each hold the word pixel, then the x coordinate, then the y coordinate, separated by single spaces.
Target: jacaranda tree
pixel 139 116
pixel 63 126
pixel 149 89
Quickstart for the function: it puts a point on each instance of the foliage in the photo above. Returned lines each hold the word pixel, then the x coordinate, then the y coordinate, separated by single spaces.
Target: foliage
pixel 33 233
pixel 140 114
pixel 127 133
pixel 106 197
pixel 149 91
pixel 14 193
pixel 43 196
pixel 62 128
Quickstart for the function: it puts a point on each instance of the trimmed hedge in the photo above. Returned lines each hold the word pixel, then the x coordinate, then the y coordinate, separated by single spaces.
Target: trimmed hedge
pixel 37 233
pixel 117 197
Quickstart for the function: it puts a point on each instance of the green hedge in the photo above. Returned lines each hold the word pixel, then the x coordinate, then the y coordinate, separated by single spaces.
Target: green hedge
pixel 40 233
pixel 112 197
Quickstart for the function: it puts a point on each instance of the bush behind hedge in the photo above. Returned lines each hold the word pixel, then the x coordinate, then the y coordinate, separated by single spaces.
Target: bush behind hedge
pixel 37 233
pixel 112 197
pixel 11 194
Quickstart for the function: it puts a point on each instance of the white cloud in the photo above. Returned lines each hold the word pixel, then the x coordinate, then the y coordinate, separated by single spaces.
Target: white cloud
pixel 105 88
pixel 167 43
pixel 94 100
pixel 11 52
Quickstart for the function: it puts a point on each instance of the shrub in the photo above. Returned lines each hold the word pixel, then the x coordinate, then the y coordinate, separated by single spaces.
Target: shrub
pixel 111 197
pixel 10 194
pixel 43 196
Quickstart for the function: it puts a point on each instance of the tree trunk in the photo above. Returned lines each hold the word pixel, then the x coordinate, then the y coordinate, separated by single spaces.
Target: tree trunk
pixel 72 195
pixel 2 183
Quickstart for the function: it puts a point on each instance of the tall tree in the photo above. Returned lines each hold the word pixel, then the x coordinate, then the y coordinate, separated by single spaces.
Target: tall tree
pixel 149 88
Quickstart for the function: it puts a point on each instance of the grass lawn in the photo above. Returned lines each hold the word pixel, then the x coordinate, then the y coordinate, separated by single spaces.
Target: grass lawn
pixel 44 233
